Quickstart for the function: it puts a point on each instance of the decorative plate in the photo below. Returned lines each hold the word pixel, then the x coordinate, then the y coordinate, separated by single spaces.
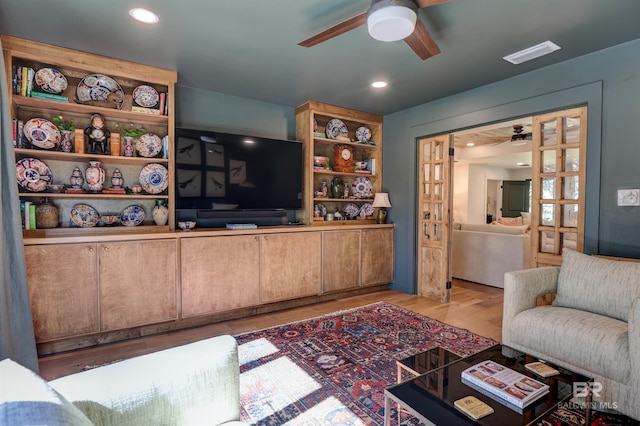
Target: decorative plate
pixel 367 209
pixel 149 145
pixel 336 128
pixel 33 174
pixel 84 216
pixel 363 133
pixel 146 96
pixel 42 133
pixel 154 178
pixel 99 87
pixel 51 80
pixel 351 210
pixel 132 216
pixel 361 187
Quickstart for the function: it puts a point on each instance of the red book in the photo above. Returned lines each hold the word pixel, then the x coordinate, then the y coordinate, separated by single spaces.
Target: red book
pixel 163 99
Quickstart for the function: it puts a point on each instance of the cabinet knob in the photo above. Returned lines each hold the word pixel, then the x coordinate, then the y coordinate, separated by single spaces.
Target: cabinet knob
pixel 105 248
pixel 90 249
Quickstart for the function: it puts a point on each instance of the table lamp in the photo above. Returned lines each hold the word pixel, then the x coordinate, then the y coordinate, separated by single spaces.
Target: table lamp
pixel 381 201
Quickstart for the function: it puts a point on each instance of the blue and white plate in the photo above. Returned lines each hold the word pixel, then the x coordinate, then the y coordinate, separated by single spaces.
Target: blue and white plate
pixel 363 133
pixel 351 210
pixel 42 133
pixel 33 174
pixel 149 145
pixel 132 216
pixel 146 96
pixel 336 128
pixel 154 178
pixel 99 87
pixel 367 209
pixel 361 187
pixel 51 80
pixel 84 216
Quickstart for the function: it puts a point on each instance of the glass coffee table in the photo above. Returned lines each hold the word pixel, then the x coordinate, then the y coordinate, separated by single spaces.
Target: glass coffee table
pixel 430 395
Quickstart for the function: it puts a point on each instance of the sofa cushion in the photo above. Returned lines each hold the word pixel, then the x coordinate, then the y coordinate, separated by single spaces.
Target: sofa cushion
pixel 193 384
pixel 574 338
pixel 27 399
pixel 597 285
pixel 487 227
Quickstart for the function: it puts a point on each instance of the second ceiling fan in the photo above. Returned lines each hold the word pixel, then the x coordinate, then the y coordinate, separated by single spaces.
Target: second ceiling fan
pixel 388 20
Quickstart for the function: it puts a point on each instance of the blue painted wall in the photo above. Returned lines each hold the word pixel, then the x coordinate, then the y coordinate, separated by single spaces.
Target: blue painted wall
pixel 607 81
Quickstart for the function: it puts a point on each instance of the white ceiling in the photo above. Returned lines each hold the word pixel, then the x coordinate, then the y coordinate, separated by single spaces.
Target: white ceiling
pixel 249 48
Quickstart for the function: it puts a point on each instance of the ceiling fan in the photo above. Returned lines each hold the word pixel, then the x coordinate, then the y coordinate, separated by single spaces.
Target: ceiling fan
pixel 519 136
pixel 388 20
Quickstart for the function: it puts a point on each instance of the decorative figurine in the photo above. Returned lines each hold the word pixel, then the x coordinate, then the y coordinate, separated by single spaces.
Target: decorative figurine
pixel 345 194
pixel 316 211
pixel 116 179
pixel 97 134
pixel 324 188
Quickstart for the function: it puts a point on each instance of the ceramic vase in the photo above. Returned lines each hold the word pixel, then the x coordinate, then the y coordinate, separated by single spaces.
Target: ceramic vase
pixel 95 176
pixel 337 187
pixel 46 214
pixel 128 146
pixel 66 145
pixel 76 180
pixel 160 213
pixel 116 179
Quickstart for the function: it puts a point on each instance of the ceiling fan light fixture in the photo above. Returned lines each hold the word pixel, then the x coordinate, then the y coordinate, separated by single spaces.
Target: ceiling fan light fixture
pixel 391 20
pixel 532 52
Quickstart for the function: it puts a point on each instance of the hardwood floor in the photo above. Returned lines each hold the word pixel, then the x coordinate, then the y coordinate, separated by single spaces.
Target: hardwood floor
pixel 475 307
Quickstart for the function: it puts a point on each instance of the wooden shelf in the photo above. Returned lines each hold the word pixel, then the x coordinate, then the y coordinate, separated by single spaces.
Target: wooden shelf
pixel 332 173
pixel 339 142
pixel 344 200
pixel 89 195
pixel 70 156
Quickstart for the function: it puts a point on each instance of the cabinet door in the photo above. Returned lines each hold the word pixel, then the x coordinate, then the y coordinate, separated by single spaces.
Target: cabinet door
pixel 137 283
pixel 377 256
pixel 219 273
pixel 289 266
pixel 63 287
pixel 340 260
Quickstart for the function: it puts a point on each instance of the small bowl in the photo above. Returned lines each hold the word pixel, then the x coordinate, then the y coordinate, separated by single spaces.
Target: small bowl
pixel 319 161
pixel 136 189
pixel 55 188
pixel 110 219
pixel 187 225
pixel 362 165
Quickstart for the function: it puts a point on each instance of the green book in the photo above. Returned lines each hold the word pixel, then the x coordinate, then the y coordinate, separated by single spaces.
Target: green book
pixel 32 216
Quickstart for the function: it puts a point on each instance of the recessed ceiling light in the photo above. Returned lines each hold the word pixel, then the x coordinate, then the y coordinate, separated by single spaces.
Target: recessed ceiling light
pixel 470 144
pixel 523 164
pixel 249 141
pixel 144 15
pixel 379 84
pixel 532 52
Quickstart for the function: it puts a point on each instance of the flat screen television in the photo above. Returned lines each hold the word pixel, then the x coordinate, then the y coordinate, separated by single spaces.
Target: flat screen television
pixel 232 172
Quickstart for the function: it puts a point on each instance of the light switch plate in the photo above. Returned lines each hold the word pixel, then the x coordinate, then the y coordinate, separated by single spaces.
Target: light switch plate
pixel 628 197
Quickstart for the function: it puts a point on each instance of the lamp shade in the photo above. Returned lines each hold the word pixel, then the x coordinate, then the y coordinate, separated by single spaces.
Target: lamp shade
pixel 391 20
pixel 381 200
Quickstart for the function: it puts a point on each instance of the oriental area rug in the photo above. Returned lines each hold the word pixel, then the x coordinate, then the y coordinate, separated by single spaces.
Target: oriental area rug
pixel 332 370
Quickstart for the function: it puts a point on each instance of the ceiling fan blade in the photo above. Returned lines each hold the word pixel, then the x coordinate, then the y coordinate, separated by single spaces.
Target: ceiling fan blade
pixel 336 30
pixel 421 42
pixel 427 3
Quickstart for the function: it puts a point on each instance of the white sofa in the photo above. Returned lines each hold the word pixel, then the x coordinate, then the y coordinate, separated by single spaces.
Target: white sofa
pixel 482 253
pixel 592 327
pixel 192 384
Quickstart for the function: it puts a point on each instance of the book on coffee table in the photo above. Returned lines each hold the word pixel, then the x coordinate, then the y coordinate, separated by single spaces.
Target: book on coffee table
pixel 473 407
pixel 509 387
pixel 542 369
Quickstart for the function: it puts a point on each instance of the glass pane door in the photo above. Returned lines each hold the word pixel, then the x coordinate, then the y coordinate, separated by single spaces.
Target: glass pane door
pixel 434 201
pixel 559 146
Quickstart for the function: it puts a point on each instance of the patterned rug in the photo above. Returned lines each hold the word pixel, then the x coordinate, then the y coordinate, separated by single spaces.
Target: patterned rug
pixel 332 370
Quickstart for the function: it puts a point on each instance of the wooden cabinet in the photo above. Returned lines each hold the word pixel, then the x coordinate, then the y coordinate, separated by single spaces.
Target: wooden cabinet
pixel 340 260
pixel 137 283
pixel 311 121
pixel 289 266
pixel 377 256
pixel 75 66
pixel 219 274
pixel 86 288
pixel 63 288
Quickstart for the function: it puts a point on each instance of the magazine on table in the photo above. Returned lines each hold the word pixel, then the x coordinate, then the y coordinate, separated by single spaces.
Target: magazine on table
pixel 507 385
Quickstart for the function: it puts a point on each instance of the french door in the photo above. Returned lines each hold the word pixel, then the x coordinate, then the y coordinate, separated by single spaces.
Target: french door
pixel 435 199
pixel 558 184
